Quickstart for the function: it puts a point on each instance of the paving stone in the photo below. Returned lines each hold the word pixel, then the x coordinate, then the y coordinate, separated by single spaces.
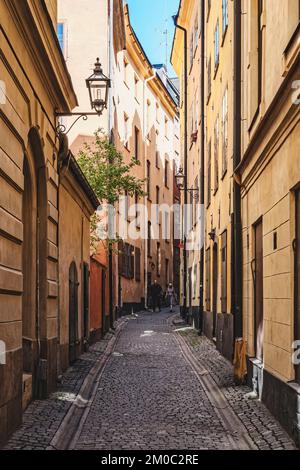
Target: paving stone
pixel 150 398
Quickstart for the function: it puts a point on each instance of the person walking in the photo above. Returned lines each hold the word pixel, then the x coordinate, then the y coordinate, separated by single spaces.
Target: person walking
pixel 156 292
pixel 170 294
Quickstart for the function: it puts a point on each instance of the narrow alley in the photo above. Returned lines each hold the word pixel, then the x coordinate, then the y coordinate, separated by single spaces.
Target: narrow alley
pixel 145 387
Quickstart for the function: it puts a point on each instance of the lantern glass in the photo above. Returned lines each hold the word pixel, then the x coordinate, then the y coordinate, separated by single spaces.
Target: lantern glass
pixel 98 85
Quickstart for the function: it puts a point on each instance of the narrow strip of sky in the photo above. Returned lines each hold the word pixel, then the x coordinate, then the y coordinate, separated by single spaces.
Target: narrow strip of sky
pixel 153 24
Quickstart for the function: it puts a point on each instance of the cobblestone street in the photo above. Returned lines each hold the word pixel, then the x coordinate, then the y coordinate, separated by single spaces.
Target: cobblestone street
pixel 157 389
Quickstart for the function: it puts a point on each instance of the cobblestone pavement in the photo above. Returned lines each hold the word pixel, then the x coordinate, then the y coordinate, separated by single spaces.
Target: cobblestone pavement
pixel 149 397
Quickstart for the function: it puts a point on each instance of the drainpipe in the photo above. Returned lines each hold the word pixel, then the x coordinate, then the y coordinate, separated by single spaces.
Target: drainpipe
pixel 145 204
pixel 110 133
pixel 185 169
pixel 237 229
pixel 202 81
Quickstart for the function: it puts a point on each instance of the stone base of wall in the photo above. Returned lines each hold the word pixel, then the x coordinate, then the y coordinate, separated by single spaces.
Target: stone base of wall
pixel 224 332
pixel 224 335
pixel 281 398
pixel 10 394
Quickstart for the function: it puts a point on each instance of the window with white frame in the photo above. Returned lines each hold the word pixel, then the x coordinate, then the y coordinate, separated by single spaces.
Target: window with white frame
pixel 217 44
pixel 224 15
pixel 126 130
pixel 225 131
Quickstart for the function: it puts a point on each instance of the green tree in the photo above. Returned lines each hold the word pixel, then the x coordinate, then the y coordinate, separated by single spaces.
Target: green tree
pixel 109 176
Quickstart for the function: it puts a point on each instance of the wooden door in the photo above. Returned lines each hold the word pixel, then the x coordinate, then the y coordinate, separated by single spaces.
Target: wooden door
pixel 297 280
pixel 73 313
pixel 259 292
pixel 103 301
pixel 215 288
pixel 86 306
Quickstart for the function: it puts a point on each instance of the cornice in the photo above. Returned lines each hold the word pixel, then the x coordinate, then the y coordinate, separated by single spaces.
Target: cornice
pixel 39 38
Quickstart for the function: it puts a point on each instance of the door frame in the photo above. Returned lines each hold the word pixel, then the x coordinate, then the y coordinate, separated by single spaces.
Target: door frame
pixel 257 223
pixel 296 249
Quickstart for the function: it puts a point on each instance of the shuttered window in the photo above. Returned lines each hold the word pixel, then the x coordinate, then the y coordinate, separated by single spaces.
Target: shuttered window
pixel 126 260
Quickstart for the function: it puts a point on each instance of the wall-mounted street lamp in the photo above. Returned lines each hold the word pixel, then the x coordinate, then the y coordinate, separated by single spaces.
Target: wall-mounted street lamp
pixel 98 85
pixel 180 181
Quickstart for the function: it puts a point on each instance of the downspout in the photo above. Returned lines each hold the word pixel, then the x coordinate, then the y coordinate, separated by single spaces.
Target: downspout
pixel 185 170
pixel 202 227
pixel 237 229
pixel 110 133
pixel 145 204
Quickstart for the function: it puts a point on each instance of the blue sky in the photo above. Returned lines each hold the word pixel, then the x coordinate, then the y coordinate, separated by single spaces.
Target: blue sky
pixel 150 18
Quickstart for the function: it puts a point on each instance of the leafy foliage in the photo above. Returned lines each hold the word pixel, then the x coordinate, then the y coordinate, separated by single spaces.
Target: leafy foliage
pixel 107 172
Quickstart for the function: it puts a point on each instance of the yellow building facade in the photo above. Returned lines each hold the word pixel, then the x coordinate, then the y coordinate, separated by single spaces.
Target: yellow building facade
pixel 145 127
pixel 269 175
pixel 210 89
pixel 37 188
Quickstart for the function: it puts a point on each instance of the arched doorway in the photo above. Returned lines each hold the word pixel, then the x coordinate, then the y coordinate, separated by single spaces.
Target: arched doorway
pixel 29 263
pixel 34 261
pixel 73 312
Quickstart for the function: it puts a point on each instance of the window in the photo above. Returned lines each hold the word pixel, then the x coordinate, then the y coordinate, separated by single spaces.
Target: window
pixel 136 87
pixel 157 112
pixel 166 173
pixel 157 159
pixel 157 203
pixel 137 212
pixel 126 260
pixel 167 271
pixel 224 16
pixel 126 71
pixel 195 282
pixel 126 130
pixel 225 132
pixel 149 239
pixel 255 59
pixel 166 226
pixel 166 128
pixel 209 79
pixel 196 201
pixel 61 36
pixel 148 178
pixel 224 272
pixel 137 264
pixel 216 155
pixel 126 200
pixel 208 8
pixel 196 32
pixel 209 174
pixel 136 143
pixel 207 280
pixel 148 117
pixel 217 45
pixel 158 259
pixel 191 49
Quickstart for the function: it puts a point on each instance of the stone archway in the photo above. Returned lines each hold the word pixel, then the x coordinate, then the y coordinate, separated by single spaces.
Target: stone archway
pixel 34 261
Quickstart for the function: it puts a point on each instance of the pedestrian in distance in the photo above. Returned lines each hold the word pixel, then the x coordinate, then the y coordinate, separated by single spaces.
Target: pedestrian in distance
pixel 171 296
pixel 156 293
